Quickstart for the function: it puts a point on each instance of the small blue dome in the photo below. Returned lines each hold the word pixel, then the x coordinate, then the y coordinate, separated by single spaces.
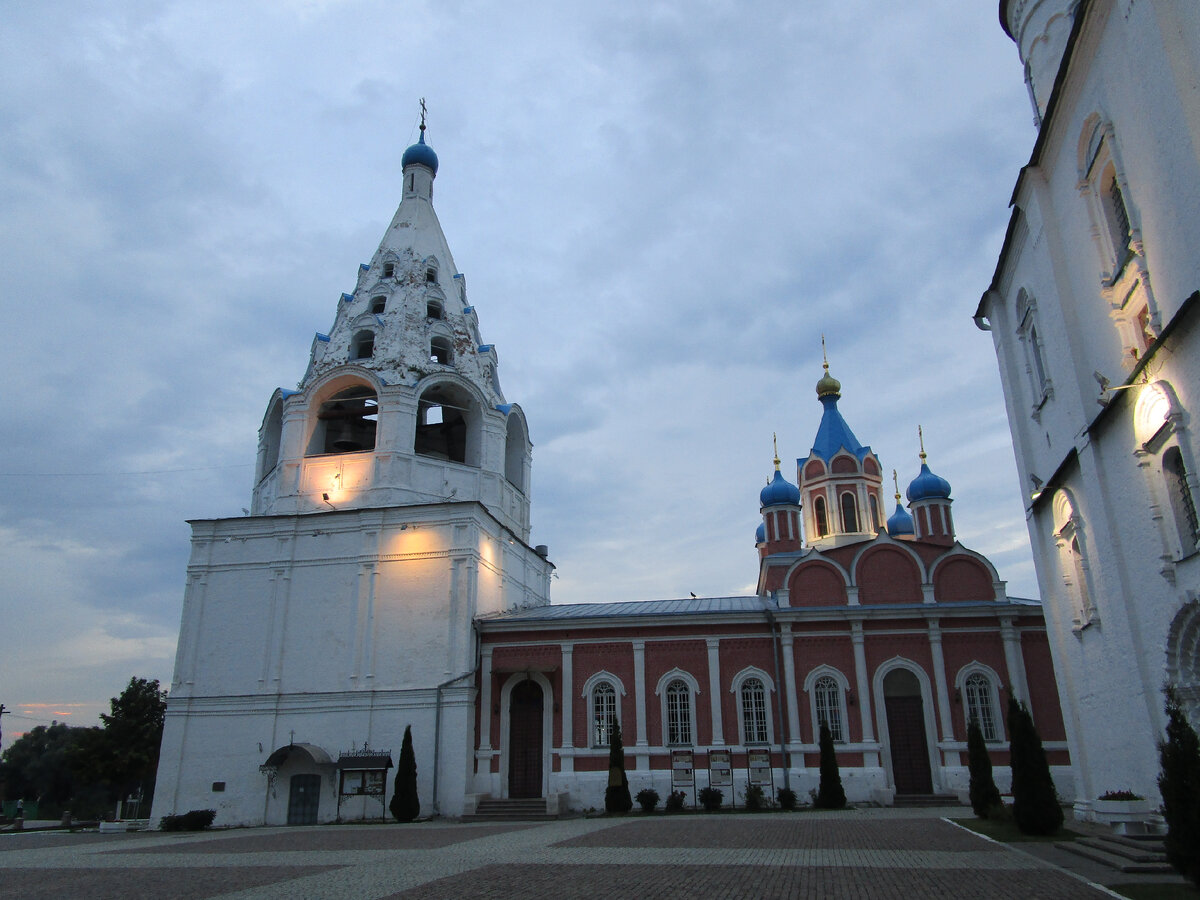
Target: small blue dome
pixel 420 154
pixel 927 486
pixel 760 534
pixel 779 491
pixel 900 522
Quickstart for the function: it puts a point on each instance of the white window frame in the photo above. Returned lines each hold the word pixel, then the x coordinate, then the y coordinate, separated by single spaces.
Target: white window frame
pixel 843 685
pixel 589 695
pixel 735 688
pixel 977 669
pixel 693 692
pixel 1029 334
pixel 1071 540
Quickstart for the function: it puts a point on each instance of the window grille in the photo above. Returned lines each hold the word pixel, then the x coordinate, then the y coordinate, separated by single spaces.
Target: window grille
pixel 980 706
pixel 679 713
pixel 754 712
pixel 1120 218
pixel 828 694
pixel 1181 499
pixel 604 714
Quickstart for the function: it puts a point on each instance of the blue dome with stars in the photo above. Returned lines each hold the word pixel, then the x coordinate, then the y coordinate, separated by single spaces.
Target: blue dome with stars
pixel 420 154
pixel 779 491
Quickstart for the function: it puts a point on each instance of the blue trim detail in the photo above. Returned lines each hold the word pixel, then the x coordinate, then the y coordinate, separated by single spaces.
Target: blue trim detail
pixel 468 309
pixel 364 267
pixel 457 275
pixel 505 408
pixel 346 298
pixel 323 337
pixel 285 393
pixel 486 348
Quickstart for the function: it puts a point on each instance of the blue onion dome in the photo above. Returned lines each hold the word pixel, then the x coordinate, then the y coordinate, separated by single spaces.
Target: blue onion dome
pixel 420 154
pixel 900 522
pixel 779 491
pixel 927 486
pixel 760 533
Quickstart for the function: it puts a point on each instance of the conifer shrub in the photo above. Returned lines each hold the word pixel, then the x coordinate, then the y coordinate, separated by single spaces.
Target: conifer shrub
pixel 647 799
pixel 787 798
pixel 406 805
pixel 1036 809
pixel 1179 784
pixel 616 795
pixel 830 794
pixel 985 797
pixel 755 797
pixel 710 798
pixel 192 820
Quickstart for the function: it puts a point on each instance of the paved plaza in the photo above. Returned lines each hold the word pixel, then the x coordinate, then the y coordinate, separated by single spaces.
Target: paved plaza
pixel 871 853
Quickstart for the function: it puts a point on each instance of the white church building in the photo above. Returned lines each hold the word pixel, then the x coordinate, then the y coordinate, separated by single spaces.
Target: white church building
pixel 384 579
pixel 1094 311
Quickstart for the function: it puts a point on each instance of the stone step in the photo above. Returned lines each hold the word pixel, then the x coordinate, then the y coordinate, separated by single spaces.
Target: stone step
pixel 924 800
pixel 523 810
pixel 1133 853
pixel 1114 860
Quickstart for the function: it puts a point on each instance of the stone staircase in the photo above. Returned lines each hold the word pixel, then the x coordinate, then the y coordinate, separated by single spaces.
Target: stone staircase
pixel 491 810
pixel 1131 853
pixel 923 801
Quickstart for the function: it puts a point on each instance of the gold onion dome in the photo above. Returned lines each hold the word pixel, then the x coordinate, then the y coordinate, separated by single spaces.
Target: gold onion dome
pixel 828 385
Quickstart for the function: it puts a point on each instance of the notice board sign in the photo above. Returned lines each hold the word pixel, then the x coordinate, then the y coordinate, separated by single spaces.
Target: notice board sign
pixel 759 764
pixel 683 771
pixel 720 768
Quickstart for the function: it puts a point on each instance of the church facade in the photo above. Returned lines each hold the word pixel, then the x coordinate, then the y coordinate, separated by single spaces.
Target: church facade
pixel 1093 311
pixel 384 580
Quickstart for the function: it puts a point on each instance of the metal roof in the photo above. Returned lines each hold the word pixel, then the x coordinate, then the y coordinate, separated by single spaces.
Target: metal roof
pixel 632 608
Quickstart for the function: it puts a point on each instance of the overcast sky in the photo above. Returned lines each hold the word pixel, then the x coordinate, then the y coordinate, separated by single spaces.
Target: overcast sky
pixel 659 207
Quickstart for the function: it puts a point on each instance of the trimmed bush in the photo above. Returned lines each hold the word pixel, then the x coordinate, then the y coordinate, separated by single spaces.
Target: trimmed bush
pixel 406 805
pixel 616 795
pixel 1179 784
pixel 985 797
pixel 647 799
pixel 787 798
pixel 675 801
pixel 755 798
pixel 1035 802
pixel 830 794
pixel 192 820
pixel 710 798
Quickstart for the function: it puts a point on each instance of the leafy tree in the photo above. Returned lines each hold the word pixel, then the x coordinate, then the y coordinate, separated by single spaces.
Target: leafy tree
pixel 830 794
pixel 985 798
pixel 616 795
pixel 122 756
pixel 406 805
pixel 36 766
pixel 1035 801
pixel 1179 784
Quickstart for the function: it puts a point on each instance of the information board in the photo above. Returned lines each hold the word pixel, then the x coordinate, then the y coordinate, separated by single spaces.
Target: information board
pixel 720 768
pixel 759 764
pixel 683 771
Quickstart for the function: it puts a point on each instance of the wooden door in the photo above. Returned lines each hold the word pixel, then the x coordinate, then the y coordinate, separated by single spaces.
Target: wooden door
pixel 304 796
pixel 525 741
pixel 909 749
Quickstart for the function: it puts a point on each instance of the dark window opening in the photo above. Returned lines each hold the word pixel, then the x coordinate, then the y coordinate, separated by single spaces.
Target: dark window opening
pixel 363 346
pixel 875 526
pixel 1182 503
pixel 441 431
pixel 378 304
pixel 218 787
pixel 822 517
pixel 389 270
pixel 440 351
pixel 431 275
pixel 433 309
pixel 849 513
pixel 346 422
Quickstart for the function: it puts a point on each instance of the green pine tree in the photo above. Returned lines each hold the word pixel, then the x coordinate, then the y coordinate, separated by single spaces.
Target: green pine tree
pixel 830 794
pixel 616 796
pixel 1179 784
pixel 985 798
pixel 1035 801
pixel 406 805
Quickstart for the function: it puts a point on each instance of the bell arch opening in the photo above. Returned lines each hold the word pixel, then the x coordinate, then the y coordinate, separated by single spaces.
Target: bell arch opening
pixel 346 422
pixel 449 423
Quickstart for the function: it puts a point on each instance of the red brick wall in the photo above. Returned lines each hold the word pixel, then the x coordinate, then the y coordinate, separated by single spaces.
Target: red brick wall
pixel 887 574
pixel 817 584
pixel 962 579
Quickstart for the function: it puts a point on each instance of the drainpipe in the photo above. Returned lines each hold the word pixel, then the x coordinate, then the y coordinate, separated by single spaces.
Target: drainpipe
pixel 774 628
pixel 437 732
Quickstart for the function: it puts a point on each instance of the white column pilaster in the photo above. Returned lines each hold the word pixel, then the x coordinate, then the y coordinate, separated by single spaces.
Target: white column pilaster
pixel 714 690
pixel 485 698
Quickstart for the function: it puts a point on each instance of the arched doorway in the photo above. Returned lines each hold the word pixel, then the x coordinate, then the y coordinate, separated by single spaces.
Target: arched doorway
pixel 525 711
pixel 906 732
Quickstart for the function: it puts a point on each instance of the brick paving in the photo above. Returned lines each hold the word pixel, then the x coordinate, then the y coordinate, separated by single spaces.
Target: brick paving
pixel 876 854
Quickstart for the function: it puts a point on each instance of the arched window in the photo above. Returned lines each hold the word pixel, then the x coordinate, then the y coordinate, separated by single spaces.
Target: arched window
pixel 875 522
pixel 754 712
pixel 604 713
pixel 828 704
pixel 346 422
pixel 980 695
pixel 679 713
pixel 1035 362
pixel 516 444
pixel 1075 569
pixel 1182 503
pixel 849 513
pixel 1115 212
pixel 389 270
pixel 441 351
pixel 363 345
pixel 433 308
pixel 448 424
pixel 822 517
pixel 431 275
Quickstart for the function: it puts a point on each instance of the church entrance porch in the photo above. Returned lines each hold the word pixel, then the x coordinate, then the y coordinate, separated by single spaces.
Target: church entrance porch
pixel 525 741
pixel 907 743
